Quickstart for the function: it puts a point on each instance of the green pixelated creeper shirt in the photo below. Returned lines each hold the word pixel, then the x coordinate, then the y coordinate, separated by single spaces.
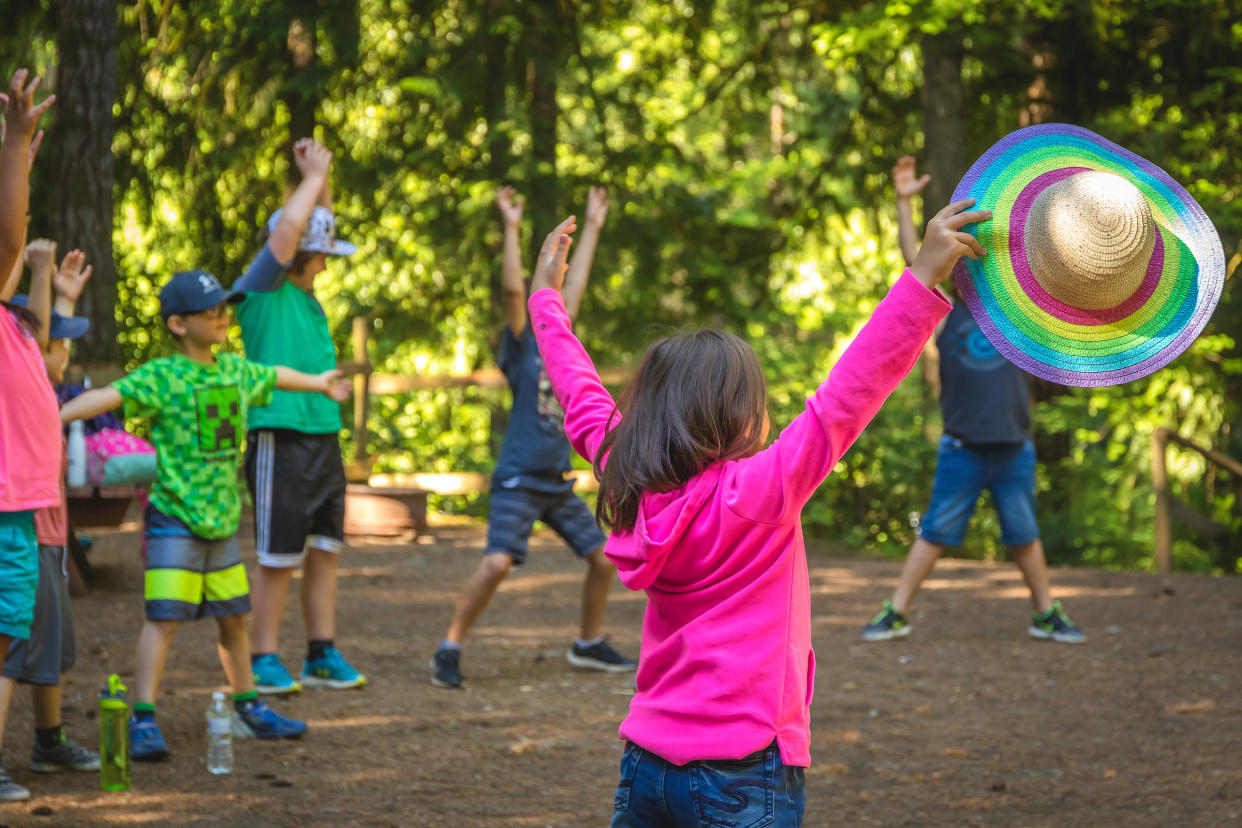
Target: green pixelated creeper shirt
pixel 198 426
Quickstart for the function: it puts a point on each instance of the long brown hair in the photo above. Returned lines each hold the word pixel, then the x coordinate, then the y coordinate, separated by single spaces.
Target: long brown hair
pixel 25 317
pixel 696 398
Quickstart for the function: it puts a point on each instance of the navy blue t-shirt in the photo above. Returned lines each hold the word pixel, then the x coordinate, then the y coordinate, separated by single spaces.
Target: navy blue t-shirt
pixel 535 452
pixel 984 397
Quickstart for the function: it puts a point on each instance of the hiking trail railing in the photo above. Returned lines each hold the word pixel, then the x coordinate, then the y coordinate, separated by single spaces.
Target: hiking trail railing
pixel 1168 506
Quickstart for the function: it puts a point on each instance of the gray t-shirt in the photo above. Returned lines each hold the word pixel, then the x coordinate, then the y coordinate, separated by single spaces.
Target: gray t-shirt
pixel 984 397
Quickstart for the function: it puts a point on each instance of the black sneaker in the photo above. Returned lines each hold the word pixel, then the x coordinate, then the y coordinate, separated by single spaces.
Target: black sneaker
pixel 65 756
pixel 599 656
pixel 446 668
pixel 1055 625
pixel 889 624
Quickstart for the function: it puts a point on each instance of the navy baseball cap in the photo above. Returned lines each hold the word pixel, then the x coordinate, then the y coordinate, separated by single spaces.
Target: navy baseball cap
pixel 60 327
pixel 194 291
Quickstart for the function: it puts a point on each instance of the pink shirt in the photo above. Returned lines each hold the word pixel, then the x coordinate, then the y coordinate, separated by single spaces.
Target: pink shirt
pixel 30 435
pixel 52 523
pixel 726 663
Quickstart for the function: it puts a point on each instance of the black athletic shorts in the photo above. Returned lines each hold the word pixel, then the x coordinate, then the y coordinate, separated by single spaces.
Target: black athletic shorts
pixel 298 484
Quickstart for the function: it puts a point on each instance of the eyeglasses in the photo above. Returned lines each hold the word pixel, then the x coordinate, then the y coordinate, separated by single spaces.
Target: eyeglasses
pixel 218 311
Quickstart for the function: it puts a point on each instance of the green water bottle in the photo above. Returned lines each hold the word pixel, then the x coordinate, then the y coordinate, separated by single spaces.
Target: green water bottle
pixel 113 736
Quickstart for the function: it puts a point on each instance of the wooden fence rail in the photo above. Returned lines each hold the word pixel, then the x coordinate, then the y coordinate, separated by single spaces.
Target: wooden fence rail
pixel 1168 506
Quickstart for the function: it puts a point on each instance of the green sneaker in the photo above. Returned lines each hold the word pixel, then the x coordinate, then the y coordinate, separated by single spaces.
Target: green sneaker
pixel 887 625
pixel 1055 625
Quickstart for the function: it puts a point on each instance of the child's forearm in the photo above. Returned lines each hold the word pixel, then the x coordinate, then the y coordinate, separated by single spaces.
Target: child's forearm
pixel 906 234
pixel 14 274
pixel 39 301
pixel 288 379
pixel 14 201
pixel 90 404
pixel 293 217
pixel 579 272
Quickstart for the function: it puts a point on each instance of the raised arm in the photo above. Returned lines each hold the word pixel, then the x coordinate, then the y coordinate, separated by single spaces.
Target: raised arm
pixel 90 404
pixel 907 186
pixel 512 286
pixel 580 264
pixel 21 117
pixel 70 278
pixel 589 409
pixel 329 383
pixel 773 485
pixel 9 286
pixel 314 161
pixel 41 256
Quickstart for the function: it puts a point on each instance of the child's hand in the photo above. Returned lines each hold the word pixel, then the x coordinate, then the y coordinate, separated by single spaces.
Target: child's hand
pixel 510 204
pixel 21 116
pixel 904 181
pixel 550 269
pixel 41 255
pixel 333 386
pixel 35 142
pixel 315 158
pixel 945 242
pixel 597 207
pixel 71 277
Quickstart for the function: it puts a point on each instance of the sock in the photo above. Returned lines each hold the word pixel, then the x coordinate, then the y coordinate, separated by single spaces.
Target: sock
pixel 244 701
pixel 317 649
pixel 254 657
pixel 448 645
pixel 144 711
pixel 49 737
pixel 585 644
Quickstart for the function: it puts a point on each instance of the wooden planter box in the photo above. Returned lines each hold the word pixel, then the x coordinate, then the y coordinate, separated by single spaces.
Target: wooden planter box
pixel 385 510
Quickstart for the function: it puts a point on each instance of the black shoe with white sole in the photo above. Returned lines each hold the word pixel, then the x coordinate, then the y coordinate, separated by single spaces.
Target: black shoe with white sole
pixel 599 656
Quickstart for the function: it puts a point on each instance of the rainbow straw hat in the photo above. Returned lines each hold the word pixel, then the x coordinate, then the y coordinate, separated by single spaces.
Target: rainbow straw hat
pixel 1100 268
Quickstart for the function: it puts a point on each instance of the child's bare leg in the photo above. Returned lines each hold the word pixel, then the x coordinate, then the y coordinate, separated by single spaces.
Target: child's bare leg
pixel 45 701
pixel 234 650
pixel 319 583
pixel 476 594
pixel 6 694
pixel 1030 559
pixel 267 599
pixel 153 644
pixel 919 564
pixel 595 587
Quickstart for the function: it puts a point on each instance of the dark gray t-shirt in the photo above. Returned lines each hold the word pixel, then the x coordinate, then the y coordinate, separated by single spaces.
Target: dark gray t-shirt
pixel 535 452
pixel 984 397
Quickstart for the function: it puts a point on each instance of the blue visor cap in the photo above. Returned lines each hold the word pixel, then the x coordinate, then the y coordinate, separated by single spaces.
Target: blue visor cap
pixel 60 327
pixel 194 291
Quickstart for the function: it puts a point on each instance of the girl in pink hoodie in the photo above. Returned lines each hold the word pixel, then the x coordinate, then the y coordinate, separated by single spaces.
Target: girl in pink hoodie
pixel 707 521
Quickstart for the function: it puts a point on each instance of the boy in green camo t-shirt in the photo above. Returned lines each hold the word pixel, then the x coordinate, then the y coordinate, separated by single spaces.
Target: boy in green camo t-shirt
pixel 197 403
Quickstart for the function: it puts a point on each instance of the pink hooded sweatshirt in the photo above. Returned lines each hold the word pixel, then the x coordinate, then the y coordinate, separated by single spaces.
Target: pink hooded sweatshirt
pixel 726 664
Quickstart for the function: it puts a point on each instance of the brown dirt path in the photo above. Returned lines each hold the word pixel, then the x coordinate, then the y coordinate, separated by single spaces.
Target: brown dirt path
pixel 967 722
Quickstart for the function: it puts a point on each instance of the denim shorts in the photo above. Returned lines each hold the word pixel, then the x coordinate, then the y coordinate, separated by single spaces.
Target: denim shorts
pixel 756 790
pixel 513 513
pixel 963 472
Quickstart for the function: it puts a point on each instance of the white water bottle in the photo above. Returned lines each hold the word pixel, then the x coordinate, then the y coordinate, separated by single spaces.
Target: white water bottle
pixel 219 735
pixel 76 475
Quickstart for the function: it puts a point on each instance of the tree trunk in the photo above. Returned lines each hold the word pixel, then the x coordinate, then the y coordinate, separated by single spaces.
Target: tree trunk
pixel 544 35
pixel 300 46
pixel 80 147
pixel 943 131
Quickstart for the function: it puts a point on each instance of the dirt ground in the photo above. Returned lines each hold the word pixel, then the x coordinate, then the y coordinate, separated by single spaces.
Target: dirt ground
pixel 967 722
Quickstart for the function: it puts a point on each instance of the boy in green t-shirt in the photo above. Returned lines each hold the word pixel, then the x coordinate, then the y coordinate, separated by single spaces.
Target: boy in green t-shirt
pixel 197 403
pixel 293 454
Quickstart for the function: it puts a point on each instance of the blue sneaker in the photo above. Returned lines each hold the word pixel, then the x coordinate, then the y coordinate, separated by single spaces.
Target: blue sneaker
pixel 262 721
pixel 146 743
pixel 271 677
pixel 331 671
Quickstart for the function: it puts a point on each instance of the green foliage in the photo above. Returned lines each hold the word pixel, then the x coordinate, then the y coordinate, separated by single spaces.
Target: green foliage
pixel 746 147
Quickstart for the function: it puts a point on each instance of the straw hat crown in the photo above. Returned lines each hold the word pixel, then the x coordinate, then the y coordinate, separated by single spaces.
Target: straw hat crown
pixel 1090 239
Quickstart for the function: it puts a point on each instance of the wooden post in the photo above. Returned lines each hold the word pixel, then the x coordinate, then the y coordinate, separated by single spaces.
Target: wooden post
pixel 1160 482
pixel 362 382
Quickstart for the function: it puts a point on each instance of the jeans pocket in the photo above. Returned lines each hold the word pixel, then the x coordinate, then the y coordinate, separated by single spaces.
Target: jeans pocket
pixel 629 768
pixel 734 794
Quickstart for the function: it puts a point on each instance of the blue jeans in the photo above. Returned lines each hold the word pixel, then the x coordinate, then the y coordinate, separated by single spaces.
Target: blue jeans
pixel 963 472
pixel 756 790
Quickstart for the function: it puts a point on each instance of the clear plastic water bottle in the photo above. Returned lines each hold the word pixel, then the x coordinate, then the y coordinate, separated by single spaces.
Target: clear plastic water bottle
pixel 76 475
pixel 219 735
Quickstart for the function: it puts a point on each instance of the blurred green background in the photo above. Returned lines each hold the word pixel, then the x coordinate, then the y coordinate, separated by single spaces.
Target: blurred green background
pixel 746 147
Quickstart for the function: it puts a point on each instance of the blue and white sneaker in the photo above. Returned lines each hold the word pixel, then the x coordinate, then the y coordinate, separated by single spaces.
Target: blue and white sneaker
pixel 332 670
pixel 271 677
pixel 146 743
pixel 262 721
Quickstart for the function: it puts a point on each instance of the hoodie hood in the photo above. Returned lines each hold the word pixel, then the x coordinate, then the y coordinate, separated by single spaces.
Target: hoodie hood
pixel 664 519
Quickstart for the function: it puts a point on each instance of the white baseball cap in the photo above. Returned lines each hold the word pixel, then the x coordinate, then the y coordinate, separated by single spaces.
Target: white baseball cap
pixel 320 234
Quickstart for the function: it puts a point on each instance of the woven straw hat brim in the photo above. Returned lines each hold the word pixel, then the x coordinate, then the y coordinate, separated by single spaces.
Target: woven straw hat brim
pixel 1046 337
